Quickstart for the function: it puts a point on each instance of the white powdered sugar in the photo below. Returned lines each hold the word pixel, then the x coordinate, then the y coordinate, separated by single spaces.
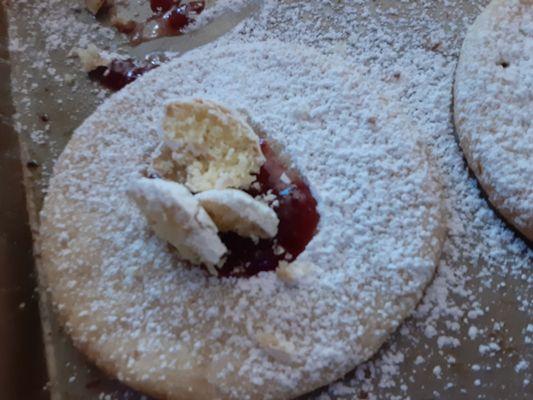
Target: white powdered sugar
pixel 484 276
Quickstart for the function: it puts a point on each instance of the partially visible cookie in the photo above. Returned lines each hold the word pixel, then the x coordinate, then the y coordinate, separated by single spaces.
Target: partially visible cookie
pixel 493 107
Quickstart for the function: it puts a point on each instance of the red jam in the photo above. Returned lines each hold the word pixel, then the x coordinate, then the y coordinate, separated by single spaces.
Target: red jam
pixel 169 19
pixel 120 73
pixel 159 6
pixel 298 221
pixel 177 18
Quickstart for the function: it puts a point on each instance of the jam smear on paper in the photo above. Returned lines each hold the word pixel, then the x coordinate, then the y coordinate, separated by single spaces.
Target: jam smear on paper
pixel 120 73
pixel 170 18
pixel 298 221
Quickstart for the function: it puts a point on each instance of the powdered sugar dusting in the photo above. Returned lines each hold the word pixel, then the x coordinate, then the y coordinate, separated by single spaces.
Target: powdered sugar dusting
pixel 485 271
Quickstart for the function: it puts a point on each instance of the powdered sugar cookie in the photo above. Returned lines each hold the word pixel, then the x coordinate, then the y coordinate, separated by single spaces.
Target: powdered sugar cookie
pixel 173 331
pixel 494 106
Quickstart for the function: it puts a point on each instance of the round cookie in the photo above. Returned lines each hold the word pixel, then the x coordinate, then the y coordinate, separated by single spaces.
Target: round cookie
pixel 173 331
pixel 493 107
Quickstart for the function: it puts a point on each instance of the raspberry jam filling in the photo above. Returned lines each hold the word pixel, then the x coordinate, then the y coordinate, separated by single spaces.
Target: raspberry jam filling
pixel 298 221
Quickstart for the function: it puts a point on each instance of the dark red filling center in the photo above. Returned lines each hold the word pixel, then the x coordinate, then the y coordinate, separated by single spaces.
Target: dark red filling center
pixel 298 220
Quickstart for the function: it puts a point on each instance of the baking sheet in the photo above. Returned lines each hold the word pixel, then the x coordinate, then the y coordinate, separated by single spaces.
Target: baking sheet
pixel 52 96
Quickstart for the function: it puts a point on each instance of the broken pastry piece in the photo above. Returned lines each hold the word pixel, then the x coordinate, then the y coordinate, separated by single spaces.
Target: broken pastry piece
pixel 92 57
pixel 207 146
pixel 236 211
pixel 211 151
pixel 177 217
pixel 94 6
